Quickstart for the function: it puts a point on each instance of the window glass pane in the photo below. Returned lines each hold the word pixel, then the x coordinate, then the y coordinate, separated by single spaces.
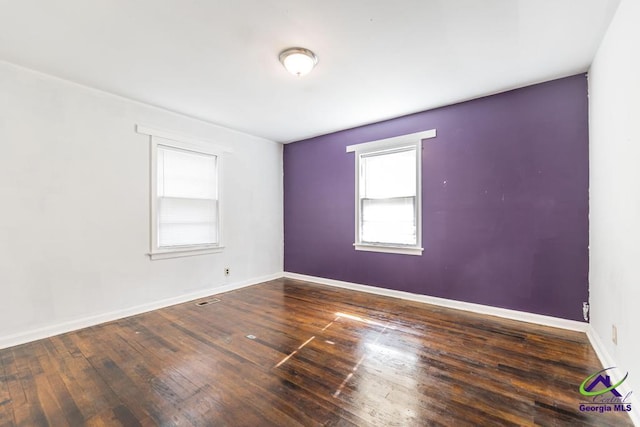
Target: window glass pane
pixel 187 221
pixel 385 175
pixel 187 198
pixel 388 221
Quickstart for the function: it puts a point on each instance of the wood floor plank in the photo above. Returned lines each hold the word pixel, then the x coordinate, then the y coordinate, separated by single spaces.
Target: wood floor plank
pixel 226 362
pixel 6 414
pixel 293 353
pixel 133 395
pixel 86 388
pixel 29 411
pixel 11 382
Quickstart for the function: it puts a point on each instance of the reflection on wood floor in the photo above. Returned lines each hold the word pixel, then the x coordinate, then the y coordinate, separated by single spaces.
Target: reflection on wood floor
pixel 291 353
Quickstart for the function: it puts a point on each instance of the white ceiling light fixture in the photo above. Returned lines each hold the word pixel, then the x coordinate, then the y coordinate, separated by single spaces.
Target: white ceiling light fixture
pixel 298 60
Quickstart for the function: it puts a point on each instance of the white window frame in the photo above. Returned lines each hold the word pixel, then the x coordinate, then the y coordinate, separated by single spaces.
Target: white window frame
pixel 380 146
pixel 197 146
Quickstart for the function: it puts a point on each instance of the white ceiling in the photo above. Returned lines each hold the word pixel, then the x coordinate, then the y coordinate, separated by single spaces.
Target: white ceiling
pixel 217 59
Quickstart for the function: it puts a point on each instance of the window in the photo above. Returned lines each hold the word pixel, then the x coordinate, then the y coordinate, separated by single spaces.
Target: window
pixel 388 194
pixel 185 196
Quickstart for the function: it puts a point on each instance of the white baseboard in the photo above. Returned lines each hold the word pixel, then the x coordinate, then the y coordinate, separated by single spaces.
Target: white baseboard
pixel 599 348
pixel 608 361
pixel 73 325
pixel 522 316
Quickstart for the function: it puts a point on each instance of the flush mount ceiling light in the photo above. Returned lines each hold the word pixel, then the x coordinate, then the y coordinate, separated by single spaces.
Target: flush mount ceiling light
pixel 298 60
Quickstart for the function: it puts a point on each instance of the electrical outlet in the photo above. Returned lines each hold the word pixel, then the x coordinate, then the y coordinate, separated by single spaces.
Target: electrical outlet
pixel 614 334
pixel 227 271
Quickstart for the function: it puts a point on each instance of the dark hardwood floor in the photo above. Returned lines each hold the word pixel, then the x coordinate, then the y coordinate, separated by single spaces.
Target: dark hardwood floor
pixel 290 353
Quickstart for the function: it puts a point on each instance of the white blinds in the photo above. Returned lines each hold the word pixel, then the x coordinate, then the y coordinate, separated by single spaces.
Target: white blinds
pixel 187 198
pixel 388 174
pixel 388 197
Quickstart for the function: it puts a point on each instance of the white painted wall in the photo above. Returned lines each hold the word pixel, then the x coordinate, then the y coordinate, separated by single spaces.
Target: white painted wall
pixel 614 103
pixel 74 208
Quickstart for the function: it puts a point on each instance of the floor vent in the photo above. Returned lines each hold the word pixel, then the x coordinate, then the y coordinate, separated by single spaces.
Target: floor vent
pixel 207 302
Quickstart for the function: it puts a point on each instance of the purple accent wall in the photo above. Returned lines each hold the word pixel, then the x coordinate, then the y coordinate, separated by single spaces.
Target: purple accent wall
pixel 505 203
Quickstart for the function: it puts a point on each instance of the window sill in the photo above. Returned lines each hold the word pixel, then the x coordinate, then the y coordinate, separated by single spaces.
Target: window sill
pixel 403 250
pixel 183 252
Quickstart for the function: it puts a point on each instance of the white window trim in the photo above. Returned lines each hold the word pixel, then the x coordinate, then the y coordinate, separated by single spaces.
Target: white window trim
pixel 169 139
pixel 408 140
